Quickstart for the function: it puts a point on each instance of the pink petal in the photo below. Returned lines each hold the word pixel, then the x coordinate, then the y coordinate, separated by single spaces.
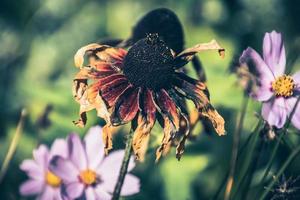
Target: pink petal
pixel 32 169
pixel 291 102
pixel 31 187
pixel 131 185
pixel 296 78
pixel 47 194
pixel 41 155
pixel 64 168
pixel 274 53
pixel 77 152
pixel 262 94
pixel 59 148
pixel 275 112
pixel 253 59
pixel 74 190
pixel 94 147
pixel 90 193
pixel 101 193
pixel 110 168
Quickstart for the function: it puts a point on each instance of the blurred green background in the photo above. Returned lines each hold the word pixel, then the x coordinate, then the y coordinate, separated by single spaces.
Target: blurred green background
pixel 38 40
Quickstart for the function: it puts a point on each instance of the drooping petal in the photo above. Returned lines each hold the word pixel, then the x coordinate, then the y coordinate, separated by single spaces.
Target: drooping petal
pixel 94 147
pixel 74 189
pixel 107 138
pixel 168 107
pixel 169 131
pixel 257 64
pixel 31 187
pixel 181 146
pixel 274 53
pixel 275 112
pixel 296 78
pixel 32 169
pixel 188 54
pixel 112 90
pixel 101 193
pixel 146 120
pixel 126 108
pixel 198 93
pixel 64 169
pixel 77 152
pixel 131 185
pixel 59 148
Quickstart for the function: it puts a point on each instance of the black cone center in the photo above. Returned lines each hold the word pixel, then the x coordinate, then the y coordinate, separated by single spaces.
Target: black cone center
pixel 148 63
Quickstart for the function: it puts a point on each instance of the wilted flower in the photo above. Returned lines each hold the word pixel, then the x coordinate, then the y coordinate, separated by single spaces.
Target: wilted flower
pixel 277 90
pixel 142 85
pixel 87 174
pixel 42 182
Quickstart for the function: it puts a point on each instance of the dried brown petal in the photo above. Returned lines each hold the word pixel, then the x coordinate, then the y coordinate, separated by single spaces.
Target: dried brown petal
pixel 216 119
pixel 181 146
pixel 107 138
pixel 189 53
pixel 169 131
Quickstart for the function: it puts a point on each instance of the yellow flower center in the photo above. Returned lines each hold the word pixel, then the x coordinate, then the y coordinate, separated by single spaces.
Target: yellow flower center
pixel 283 86
pixel 88 177
pixel 52 179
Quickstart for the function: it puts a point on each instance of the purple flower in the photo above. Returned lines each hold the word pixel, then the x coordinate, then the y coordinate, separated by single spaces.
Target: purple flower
pixel 42 182
pixel 87 173
pixel 277 91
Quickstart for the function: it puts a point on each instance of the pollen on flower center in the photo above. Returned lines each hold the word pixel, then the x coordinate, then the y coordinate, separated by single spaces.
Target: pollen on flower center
pixel 283 86
pixel 52 179
pixel 88 177
pixel 148 63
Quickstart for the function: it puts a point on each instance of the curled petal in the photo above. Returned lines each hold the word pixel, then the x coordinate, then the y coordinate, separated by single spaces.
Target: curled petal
pixel 274 53
pixel 181 146
pixel 169 131
pixel 146 120
pixel 89 99
pixel 215 118
pixel 107 138
pixel 198 93
pixel 188 54
pixel 97 52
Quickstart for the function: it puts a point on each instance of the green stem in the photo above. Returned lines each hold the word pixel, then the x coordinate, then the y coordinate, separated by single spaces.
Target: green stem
pixel 281 170
pixel 234 153
pixel 269 165
pixel 247 162
pixel 124 166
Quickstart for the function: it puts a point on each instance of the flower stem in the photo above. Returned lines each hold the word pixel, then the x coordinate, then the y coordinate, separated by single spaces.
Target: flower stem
pixel 281 170
pixel 124 166
pixel 13 145
pixel 236 141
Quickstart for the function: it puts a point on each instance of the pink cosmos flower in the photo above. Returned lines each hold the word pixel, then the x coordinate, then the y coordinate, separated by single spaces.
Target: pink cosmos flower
pixel 277 90
pixel 87 173
pixel 43 183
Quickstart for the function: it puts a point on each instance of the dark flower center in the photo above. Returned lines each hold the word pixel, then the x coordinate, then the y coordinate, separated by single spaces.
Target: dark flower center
pixel 148 63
